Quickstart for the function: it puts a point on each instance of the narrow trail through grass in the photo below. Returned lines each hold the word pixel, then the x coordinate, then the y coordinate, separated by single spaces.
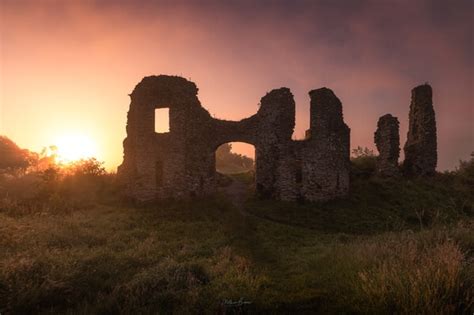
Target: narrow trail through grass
pixel 237 192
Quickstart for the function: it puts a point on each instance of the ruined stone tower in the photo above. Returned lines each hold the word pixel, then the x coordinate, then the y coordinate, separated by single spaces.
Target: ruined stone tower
pixel 181 162
pixel 421 147
pixel 387 141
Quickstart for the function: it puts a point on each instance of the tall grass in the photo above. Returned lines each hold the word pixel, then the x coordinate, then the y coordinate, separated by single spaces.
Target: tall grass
pixel 413 274
pixel 173 259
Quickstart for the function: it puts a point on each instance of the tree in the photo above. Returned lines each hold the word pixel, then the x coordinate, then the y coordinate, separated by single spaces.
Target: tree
pixel 12 157
pixel 362 152
pixel 230 162
pixel 363 162
pixel 87 167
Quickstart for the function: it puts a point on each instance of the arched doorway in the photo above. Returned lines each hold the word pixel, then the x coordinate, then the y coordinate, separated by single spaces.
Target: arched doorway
pixel 235 169
pixel 235 158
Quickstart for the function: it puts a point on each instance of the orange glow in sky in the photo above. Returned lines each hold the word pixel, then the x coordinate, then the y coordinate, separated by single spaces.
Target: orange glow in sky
pixel 73 147
pixel 67 67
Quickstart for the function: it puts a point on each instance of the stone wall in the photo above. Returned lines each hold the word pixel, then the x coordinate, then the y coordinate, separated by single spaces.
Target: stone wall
pixel 387 141
pixel 325 157
pixel 421 146
pixel 181 162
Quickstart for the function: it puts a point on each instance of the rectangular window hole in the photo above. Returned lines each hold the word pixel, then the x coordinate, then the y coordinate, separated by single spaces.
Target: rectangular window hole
pixel 162 120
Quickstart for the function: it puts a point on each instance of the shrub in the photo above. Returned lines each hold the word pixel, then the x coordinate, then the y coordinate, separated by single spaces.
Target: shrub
pixel 464 176
pixel 56 189
pixel 363 162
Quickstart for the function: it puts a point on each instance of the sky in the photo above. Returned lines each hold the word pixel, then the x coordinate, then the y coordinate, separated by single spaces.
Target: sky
pixel 67 67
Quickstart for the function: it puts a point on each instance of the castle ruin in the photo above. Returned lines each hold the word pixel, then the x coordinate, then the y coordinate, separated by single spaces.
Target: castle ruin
pixel 181 163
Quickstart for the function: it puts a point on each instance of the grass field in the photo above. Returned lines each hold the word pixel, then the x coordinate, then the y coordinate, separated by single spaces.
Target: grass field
pixel 399 246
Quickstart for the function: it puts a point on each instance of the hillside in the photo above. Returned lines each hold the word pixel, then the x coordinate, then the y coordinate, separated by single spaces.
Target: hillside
pixel 400 246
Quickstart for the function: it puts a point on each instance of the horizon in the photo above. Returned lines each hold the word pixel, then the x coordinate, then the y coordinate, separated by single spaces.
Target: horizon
pixel 78 61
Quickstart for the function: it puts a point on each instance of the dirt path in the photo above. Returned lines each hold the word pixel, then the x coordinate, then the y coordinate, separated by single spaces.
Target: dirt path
pixel 238 192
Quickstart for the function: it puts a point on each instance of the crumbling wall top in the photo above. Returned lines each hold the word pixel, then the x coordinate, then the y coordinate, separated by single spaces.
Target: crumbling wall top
pixel 387 141
pixel 325 110
pixel 421 146
pixel 164 91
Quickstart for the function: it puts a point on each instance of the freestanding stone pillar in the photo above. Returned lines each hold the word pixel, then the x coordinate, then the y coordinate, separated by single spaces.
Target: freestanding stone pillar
pixel 387 141
pixel 326 157
pixel 421 147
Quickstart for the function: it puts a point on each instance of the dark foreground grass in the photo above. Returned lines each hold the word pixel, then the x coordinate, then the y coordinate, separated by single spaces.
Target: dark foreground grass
pixel 393 247
pixel 191 257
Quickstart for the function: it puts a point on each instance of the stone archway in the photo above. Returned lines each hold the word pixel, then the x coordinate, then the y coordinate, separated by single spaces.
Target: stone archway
pixel 235 158
pixel 235 172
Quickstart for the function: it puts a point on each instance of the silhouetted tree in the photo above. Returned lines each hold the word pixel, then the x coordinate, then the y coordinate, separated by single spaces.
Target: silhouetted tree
pixel 362 152
pixel 363 162
pixel 88 167
pixel 12 157
pixel 230 162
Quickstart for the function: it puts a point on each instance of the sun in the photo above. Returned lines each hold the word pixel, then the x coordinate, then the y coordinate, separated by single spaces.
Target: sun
pixel 74 147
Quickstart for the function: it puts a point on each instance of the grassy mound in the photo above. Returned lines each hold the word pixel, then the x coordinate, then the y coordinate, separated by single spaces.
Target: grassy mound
pixel 393 246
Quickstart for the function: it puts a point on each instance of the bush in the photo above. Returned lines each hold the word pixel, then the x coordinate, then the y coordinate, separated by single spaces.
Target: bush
pixel 363 162
pixel 463 176
pixel 56 189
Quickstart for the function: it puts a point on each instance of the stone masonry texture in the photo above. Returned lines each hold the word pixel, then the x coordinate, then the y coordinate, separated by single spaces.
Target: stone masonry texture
pixel 421 146
pixel 387 141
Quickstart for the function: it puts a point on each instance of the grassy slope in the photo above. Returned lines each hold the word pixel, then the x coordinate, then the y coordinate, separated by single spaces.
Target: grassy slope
pixel 377 205
pixel 402 246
